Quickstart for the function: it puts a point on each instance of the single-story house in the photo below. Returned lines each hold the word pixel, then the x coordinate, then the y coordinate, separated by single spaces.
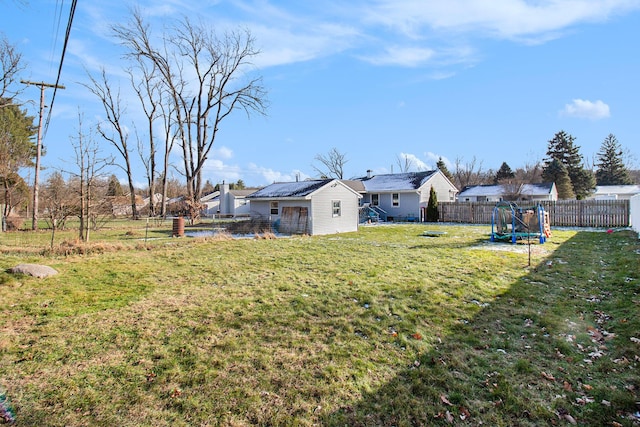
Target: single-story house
pixel 545 191
pixel 314 207
pixel 404 196
pixel 210 203
pixel 234 202
pixel 615 192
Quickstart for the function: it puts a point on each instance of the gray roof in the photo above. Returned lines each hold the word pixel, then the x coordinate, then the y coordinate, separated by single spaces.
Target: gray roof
pixel 541 189
pixel 617 189
pixel 481 190
pixel 396 181
pixel 498 190
pixel 298 189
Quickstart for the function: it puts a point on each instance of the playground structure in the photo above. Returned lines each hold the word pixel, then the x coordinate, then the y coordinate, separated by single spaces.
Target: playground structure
pixel 511 222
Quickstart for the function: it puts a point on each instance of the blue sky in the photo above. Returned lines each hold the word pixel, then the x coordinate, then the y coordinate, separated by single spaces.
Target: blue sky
pixel 376 79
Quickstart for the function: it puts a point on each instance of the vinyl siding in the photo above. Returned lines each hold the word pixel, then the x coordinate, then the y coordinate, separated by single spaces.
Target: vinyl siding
pixel 322 219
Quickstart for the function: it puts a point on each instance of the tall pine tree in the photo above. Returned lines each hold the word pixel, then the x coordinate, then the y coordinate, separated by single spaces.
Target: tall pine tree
pixel 504 174
pixel 562 148
pixel 611 169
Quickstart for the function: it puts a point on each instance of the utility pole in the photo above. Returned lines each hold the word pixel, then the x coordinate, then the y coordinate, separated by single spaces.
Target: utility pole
pixel 42 86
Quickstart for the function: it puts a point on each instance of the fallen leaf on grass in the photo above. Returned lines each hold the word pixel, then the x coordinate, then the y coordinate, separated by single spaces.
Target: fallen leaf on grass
pixel 567 386
pixel 449 417
pixel 464 413
pixel 635 340
pixel 444 400
pixel 417 336
pixel 587 387
pixel 547 376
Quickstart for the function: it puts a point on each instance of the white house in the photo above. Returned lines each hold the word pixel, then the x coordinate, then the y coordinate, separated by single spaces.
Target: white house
pixel 234 202
pixel 210 203
pixel 615 192
pixel 313 207
pixel 404 196
pixel 545 191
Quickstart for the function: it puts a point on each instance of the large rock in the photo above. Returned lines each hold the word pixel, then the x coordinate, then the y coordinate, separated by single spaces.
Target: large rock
pixel 35 270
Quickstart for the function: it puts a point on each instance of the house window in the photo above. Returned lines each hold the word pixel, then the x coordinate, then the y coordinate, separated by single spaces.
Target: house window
pixel 337 210
pixel 274 208
pixel 375 199
pixel 395 200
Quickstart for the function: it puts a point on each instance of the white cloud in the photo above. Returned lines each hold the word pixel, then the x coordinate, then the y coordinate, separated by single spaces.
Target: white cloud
pixel 403 56
pixel 501 18
pixel 584 109
pixel 433 157
pixel 222 153
pixel 414 162
pixel 268 176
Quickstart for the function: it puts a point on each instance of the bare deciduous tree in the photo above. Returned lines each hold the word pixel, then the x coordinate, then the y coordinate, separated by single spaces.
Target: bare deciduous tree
pixel 10 65
pixel 90 169
pixel 149 92
pixel 205 79
pixel 113 129
pixel 404 162
pixel 58 202
pixel 467 173
pixel 331 164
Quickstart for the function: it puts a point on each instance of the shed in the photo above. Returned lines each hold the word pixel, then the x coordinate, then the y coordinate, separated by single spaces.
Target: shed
pixel 312 207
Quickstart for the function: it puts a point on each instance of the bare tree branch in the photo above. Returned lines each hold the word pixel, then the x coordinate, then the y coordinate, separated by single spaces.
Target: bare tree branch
pixel 331 164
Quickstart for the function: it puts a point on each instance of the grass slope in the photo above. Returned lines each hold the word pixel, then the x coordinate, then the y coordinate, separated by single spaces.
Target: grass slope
pixel 379 327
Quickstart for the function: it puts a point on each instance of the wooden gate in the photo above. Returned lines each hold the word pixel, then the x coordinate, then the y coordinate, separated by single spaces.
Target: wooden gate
pixel 294 220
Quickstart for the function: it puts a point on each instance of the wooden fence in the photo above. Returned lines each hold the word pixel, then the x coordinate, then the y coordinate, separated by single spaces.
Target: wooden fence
pixel 564 213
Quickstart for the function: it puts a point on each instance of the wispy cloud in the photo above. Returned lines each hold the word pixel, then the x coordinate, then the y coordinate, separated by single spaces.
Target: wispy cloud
pixel 413 161
pixel 499 18
pixel 400 55
pixel 584 109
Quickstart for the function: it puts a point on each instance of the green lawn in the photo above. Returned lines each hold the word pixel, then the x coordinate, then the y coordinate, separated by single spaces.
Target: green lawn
pixel 379 327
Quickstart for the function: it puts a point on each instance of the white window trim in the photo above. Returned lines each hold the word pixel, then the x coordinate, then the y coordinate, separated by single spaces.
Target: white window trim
pixel 395 205
pixel 339 208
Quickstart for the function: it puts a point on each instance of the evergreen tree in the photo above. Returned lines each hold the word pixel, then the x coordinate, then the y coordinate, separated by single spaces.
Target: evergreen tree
pixel 114 188
pixel 557 172
pixel 562 148
pixel 584 183
pixel 504 174
pixel 432 206
pixel 443 168
pixel 611 169
pixel 17 150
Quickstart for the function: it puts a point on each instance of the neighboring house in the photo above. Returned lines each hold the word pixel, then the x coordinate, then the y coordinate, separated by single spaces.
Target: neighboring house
pixel 497 193
pixel 404 196
pixel 545 191
pixel 121 205
pixel 312 207
pixel 210 203
pixel 615 192
pixel 234 202
pixel 481 193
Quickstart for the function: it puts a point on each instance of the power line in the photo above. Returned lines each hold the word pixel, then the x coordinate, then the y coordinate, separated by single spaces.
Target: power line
pixel 72 12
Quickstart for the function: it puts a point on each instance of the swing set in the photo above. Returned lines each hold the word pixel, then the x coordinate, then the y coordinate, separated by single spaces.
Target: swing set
pixel 509 222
